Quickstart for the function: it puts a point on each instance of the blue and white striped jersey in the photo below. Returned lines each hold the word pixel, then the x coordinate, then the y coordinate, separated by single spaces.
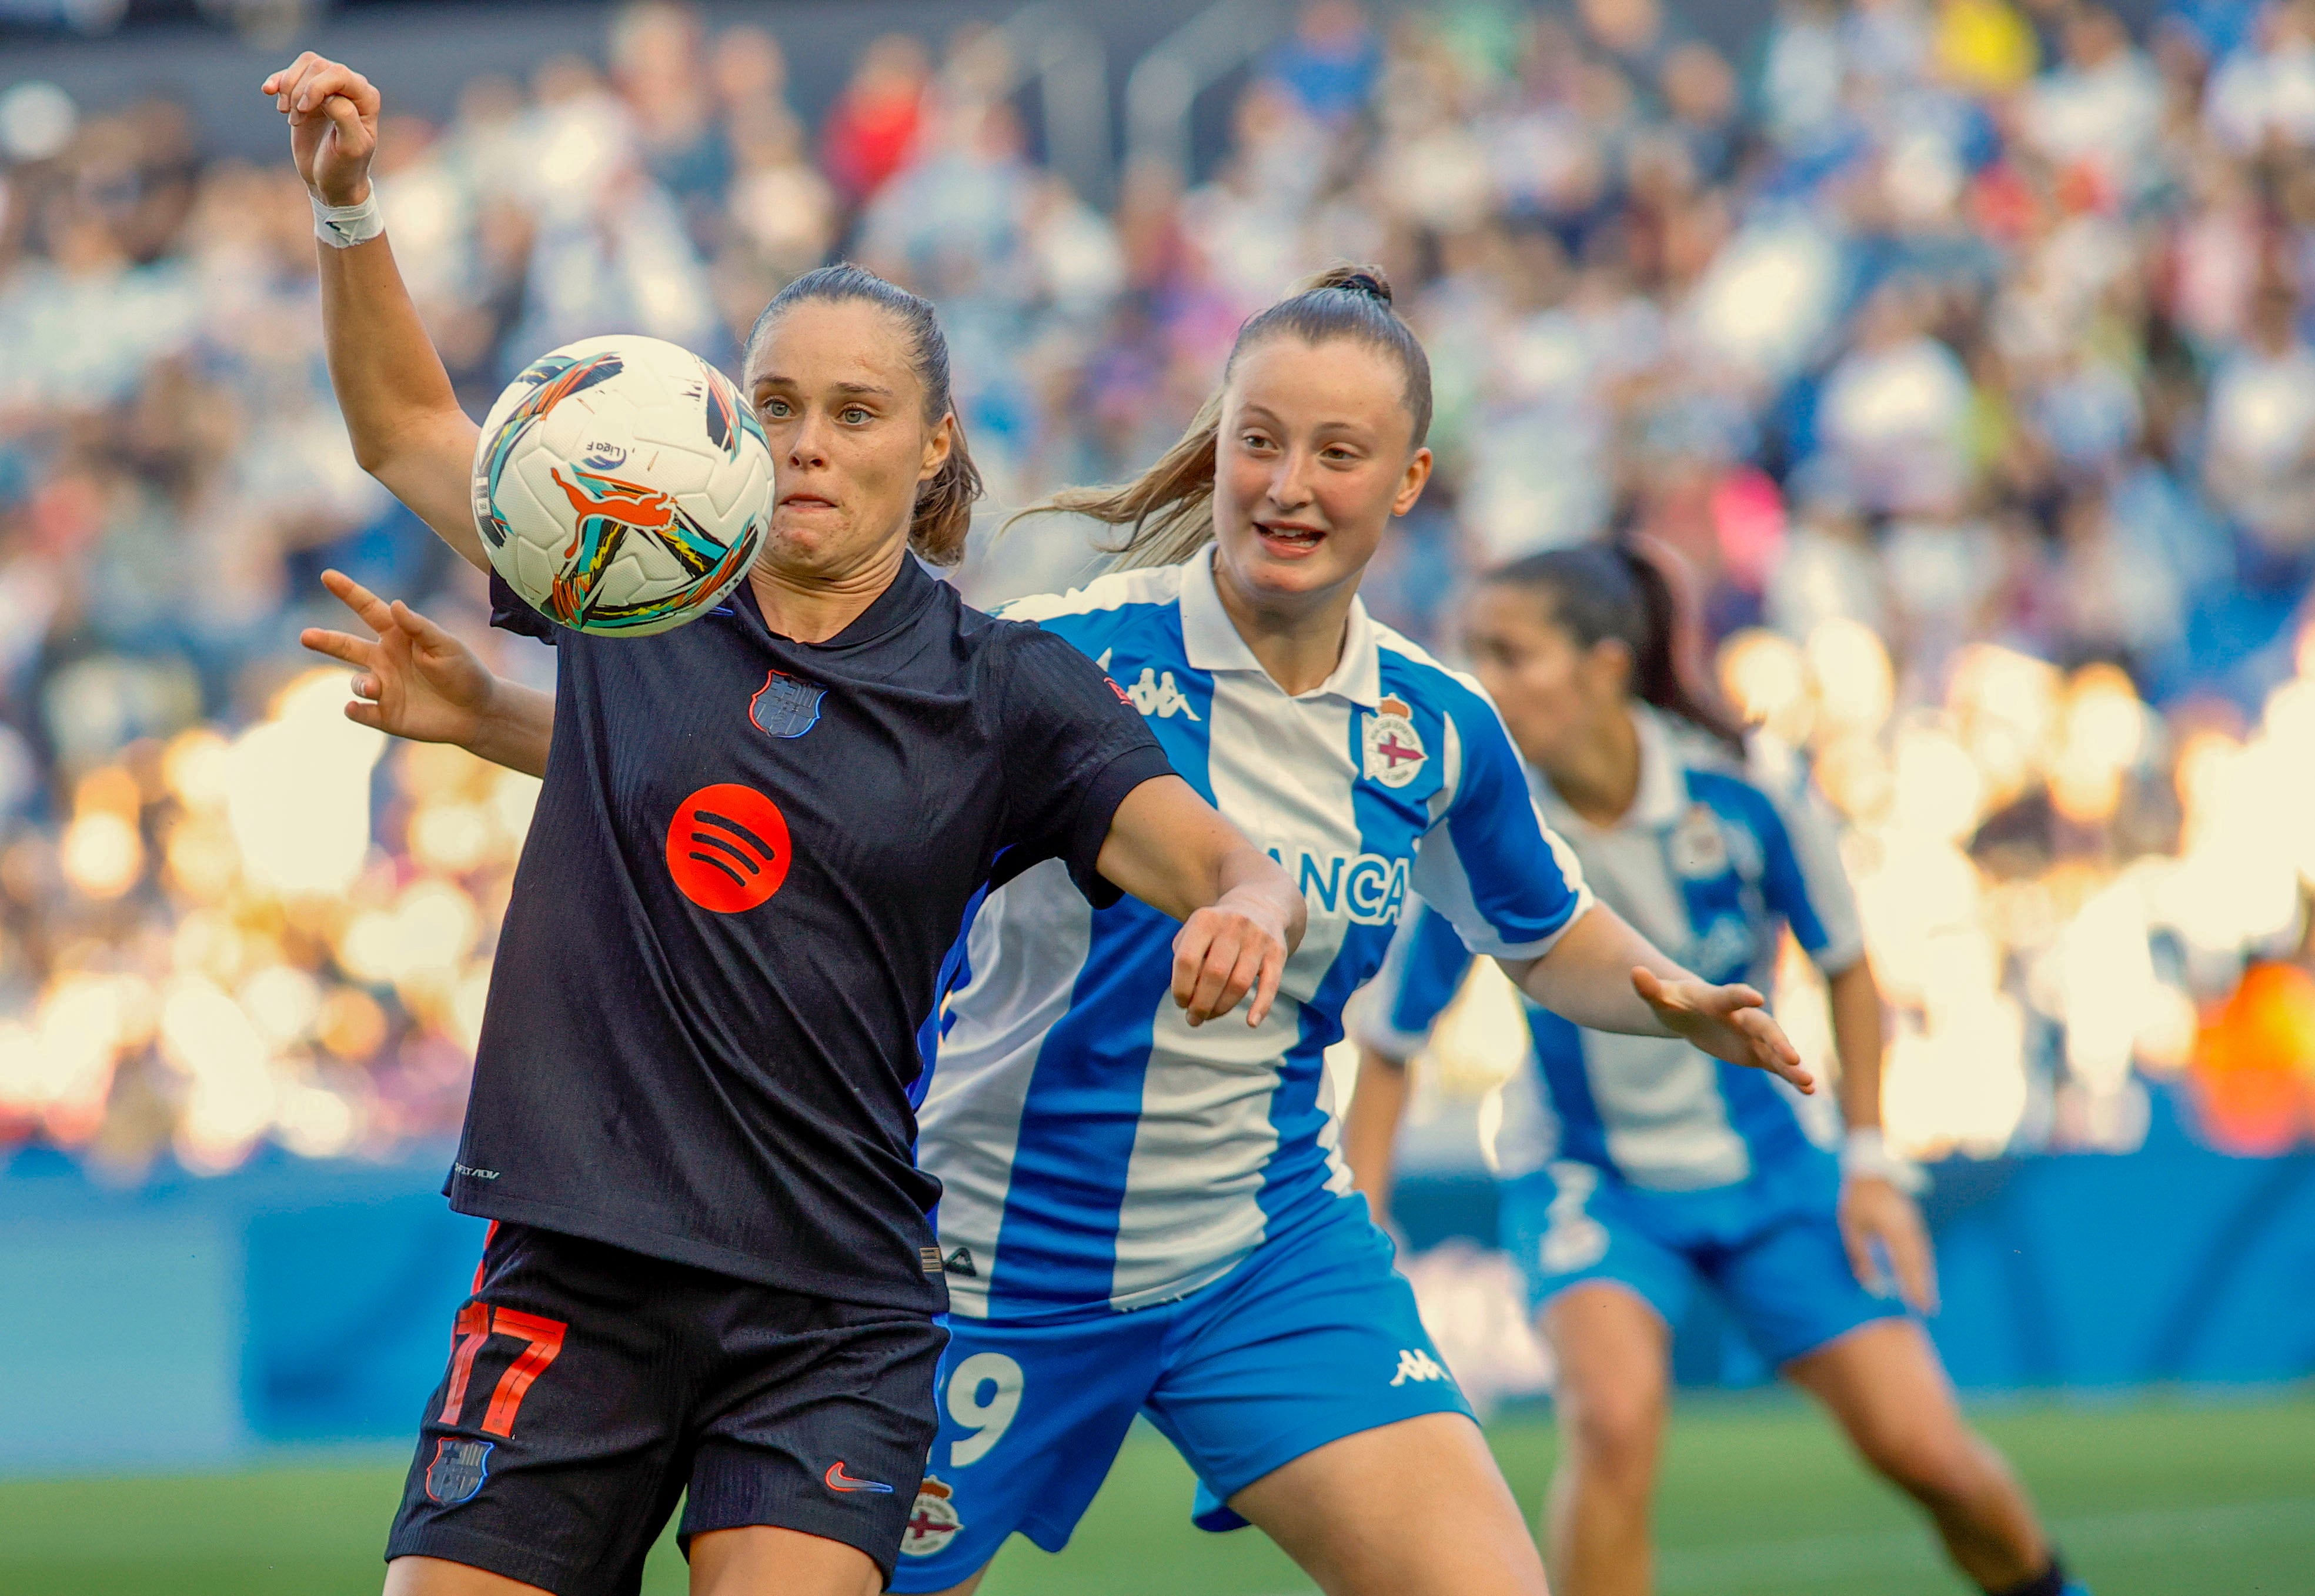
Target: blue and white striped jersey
pixel 1095 1152
pixel 1713 860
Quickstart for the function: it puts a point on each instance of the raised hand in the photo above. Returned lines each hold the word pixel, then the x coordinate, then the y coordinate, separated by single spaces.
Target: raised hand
pixel 332 112
pixel 414 680
pixel 1727 1021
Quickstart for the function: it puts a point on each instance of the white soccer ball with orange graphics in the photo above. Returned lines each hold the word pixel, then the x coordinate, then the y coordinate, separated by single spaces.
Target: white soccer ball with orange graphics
pixel 622 485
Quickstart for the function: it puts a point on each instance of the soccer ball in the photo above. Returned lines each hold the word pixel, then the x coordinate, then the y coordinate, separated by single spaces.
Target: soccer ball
pixel 621 485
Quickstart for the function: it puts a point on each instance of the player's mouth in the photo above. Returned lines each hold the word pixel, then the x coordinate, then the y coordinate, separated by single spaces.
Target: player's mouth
pixel 804 499
pixel 1291 540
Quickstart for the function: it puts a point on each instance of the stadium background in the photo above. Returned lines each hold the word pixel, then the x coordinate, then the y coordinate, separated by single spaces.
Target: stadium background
pixel 1959 347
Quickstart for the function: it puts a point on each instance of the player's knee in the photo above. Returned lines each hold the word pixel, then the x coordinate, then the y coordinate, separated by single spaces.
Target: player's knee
pixel 1612 1432
pixel 1932 1463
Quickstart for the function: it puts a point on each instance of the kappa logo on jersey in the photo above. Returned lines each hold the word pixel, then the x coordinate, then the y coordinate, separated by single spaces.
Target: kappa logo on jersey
pixel 1156 695
pixel 458 1469
pixel 727 848
pixel 836 1479
pixel 934 1523
pixel 1394 748
pixel 1368 888
pixel 786 706
pixel 1417 1365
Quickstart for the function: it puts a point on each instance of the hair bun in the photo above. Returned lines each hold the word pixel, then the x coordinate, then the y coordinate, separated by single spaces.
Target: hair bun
pixel 1368 280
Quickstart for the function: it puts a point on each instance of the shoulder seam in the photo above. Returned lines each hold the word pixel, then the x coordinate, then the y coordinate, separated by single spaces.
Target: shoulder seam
pixel 1155 587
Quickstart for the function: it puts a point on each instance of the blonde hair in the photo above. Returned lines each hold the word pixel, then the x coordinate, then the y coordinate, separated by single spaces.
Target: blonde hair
pixel 1169 510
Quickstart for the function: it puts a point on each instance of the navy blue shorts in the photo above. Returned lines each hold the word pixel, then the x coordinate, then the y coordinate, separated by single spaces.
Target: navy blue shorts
pixel 1314 1337
pixel 589 1386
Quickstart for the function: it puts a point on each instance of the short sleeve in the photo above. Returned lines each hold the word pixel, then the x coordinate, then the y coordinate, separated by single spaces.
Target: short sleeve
pixel 510 612
pixel 1419 977
pixel 1489 863
pixel 1074 746
pixel 1801 875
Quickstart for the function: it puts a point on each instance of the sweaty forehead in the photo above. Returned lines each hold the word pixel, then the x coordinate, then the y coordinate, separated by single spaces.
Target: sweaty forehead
pixel 823 344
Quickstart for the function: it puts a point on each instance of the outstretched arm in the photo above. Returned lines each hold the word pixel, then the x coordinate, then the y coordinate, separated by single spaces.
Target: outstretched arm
pixel 1606 976
pixel 1240 914
pixel 407 429
pixel 414 680
pixel 1371 1127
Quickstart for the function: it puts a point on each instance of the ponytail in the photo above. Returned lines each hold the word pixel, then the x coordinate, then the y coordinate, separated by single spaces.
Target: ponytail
pixel 1602 590
pixel 1169 510
pixel 943 509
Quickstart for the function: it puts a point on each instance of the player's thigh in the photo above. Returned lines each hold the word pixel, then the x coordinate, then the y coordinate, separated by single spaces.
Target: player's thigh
pixel 1312 1339
pixel 1416 1508
pixel 1884 1385
pixel 1031 1419
pixel 550 1452
pixel 1789 1284
pixel 764 1560
pixel 431 1576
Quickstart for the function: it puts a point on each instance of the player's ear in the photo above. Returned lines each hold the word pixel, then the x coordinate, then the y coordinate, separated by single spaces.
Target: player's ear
pixel 1411 481
pixel 938 444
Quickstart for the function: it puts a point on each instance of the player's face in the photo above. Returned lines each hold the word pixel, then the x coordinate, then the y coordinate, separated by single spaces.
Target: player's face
pixel 844 411
pixel 1313 456
pixel 1554 693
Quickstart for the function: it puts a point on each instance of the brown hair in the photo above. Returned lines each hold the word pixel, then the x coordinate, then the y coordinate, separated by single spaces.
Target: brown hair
pixel 1169 510
pixel 1600 591
pixel 944 512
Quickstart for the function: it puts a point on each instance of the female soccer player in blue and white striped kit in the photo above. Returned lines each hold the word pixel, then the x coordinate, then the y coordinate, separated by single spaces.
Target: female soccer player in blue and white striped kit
pixel 1639 1170
pixel 1140 1217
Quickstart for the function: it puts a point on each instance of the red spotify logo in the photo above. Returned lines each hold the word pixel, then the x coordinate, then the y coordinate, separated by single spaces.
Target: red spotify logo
pixel 727 848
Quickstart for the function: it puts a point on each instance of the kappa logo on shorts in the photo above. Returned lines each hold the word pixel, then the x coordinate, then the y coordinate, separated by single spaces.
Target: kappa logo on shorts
pixel 727 848
pixel 458 1470
pixel 786 706
pixel 934 1523
pixel 1416 1364
pixel 838 1480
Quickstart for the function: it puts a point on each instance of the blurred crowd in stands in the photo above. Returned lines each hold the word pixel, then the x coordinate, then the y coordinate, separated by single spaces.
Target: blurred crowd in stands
pixel 1958 349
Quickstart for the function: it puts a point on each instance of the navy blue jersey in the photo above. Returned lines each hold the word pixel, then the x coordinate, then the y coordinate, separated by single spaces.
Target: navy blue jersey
pixel 745 864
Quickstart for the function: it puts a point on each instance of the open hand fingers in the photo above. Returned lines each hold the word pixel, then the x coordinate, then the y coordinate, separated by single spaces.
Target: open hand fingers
pixel 376 613
pixel 1857 1240
pixel 356 651
pixel 430 637
pixel 1772 1050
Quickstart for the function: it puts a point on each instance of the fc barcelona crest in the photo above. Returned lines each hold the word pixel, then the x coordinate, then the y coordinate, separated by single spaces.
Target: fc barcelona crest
pixel 458 1469
pixel 1394 748
pixel 786 706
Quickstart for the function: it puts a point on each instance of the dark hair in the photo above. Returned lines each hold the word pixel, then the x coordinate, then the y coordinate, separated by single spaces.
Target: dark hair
pixel 944 512
pixel 1602 590
pixel 1168 509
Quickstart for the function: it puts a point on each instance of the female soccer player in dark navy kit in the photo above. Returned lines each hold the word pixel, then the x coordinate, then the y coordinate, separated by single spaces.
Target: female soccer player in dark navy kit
pixel 710 1267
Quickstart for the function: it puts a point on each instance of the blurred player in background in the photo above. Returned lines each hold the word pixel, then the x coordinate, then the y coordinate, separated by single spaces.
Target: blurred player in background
pixel 710 1270
pixel 1141 1218
pixel 1639 1170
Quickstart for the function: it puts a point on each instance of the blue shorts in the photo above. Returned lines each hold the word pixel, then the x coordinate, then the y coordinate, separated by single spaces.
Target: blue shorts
pixel 1315 1336
pixel 1769 1246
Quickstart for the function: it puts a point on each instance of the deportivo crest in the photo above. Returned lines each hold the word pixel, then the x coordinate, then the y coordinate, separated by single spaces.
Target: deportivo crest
pixel 1394 748
pixel 786 706
pixel 934 1522
pixel 1700 851
pixel 458 1470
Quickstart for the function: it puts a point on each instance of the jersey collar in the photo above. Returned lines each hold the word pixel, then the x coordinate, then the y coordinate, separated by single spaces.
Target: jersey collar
pixel 1210 641
pixel 911 588
pixel 1663 797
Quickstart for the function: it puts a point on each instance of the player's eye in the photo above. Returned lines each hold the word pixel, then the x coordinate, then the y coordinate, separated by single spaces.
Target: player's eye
pixel 775 410
pixel 852 415
pixel 1253 441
